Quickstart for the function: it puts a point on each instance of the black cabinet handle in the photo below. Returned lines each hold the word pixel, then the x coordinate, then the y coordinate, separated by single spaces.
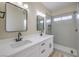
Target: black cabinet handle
pixel 50 45
pixel 42 44
pixel 43 51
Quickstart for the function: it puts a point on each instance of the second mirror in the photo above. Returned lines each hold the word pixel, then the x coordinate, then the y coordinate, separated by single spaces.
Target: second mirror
pixel 40 23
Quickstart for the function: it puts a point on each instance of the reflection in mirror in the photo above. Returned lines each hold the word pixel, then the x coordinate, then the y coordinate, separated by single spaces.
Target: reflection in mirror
pixel 48 25
pixel 16 18
pixel 40 23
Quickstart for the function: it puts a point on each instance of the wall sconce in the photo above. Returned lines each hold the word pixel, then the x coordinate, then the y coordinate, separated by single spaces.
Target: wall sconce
pixel 2 14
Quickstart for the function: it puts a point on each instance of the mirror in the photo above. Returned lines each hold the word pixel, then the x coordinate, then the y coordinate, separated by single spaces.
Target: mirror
pixel 16 18
pixel 49 25
pixel 40 23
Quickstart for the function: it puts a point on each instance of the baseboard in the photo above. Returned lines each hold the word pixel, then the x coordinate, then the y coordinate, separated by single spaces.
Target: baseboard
pixel 65 49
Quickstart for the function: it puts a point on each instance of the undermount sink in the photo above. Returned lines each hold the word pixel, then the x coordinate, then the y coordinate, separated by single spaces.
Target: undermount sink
pixel 20 43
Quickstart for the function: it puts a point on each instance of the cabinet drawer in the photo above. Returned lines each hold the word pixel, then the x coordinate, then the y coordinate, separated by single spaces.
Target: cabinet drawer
pixel 43 53
pixel 43 45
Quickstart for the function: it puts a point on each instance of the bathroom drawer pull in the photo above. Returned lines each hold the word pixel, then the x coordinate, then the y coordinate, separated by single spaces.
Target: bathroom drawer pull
pixel 42 44
pixel 43 51
pixel 50 45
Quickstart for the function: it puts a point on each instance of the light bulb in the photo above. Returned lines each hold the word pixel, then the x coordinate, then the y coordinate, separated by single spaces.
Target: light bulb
pixel 26 5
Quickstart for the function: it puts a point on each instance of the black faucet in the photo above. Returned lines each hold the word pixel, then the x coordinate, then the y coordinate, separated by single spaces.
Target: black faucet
pixel 41 34
pixel 19 38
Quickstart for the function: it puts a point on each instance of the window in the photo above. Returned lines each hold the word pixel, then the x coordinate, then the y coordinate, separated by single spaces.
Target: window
pixel 57 19
pixel 67 17
pixel 63 18
pixel 77 16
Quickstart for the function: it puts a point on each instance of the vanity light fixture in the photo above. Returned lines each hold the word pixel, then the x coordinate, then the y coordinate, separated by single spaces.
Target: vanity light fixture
pixel 40 14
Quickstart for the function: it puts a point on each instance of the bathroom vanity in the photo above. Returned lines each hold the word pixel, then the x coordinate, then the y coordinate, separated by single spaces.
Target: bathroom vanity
pixel 31 46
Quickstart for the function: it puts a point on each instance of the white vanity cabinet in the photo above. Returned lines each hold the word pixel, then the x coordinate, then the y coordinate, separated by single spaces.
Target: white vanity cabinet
pixel 41 49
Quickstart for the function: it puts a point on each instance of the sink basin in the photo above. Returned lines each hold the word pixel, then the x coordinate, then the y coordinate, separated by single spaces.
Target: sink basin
pixel 20 43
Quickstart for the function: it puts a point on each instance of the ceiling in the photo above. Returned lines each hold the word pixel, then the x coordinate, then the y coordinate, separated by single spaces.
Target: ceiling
pixel 56 5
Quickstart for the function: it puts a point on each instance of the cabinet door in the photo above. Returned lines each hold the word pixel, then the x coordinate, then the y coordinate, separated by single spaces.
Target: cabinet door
pixel 46 47
pixel 50 46
pixel 43 49
pixel 35 52
pixel 28 52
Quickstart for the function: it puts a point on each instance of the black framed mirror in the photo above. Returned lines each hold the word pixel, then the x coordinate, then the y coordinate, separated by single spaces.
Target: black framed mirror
pixel 16 18
pixel 40 23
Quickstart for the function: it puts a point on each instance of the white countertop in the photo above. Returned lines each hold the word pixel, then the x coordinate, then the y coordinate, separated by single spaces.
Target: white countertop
pixel 6 49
